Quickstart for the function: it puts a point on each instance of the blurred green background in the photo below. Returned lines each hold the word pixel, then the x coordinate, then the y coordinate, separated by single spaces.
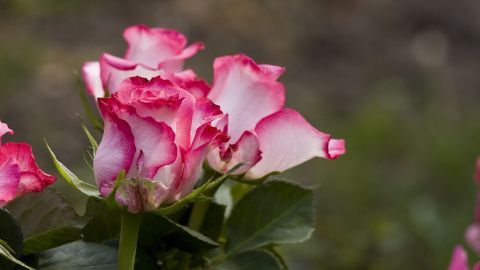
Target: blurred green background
pixel 399 80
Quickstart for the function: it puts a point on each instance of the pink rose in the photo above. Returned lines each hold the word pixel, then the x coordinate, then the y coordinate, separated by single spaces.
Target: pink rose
pixel 19 174
pixel 264 134
pixel 460 260
pixel 151 52
pixel 159 134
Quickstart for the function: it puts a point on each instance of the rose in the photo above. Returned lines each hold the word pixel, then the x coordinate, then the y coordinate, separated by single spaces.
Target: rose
pixel 460 260
pixel 151 52
pixel 159 134
pixel 268 137
pixel 19 174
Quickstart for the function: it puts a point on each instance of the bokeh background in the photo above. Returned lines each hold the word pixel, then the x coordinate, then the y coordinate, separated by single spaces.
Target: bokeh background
pixel 399 80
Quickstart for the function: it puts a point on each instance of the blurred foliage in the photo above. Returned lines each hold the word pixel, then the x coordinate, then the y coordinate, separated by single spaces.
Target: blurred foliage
pixel 398 79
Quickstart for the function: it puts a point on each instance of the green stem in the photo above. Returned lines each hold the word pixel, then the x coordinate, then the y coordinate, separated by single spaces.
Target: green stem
pixel 198 214
pixel 195 223
pixel 130 226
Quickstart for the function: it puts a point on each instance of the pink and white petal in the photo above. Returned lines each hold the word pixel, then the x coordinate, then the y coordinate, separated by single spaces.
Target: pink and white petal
pixel 3 130
pixel 208 135
pixel 476 266
pixel 9 179
pixel 92 79
pixel 114 70
pixel 151 46
pixel 240 86
pixel 274 72
pixel 161 100
pixel 188 80
pixel 170 173
pixel 206 139
pixel 155 141
pixel 287 140
pixel 246 150
pixel 32 179
pixel 116 150
pixel 204 111
pixel 192 169
pixel 459 259
pixel 175 63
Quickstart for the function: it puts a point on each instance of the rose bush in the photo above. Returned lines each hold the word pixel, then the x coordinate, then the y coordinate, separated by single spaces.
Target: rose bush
pixel 168 143
pixel 19 174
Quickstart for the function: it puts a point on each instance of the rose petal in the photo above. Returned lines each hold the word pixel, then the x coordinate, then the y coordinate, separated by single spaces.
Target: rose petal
pixel 158 48
pixel 32 179
pixel 161 100
pixel 189 81
pixel 114 70
pixel 206 138
pixel 175 63
pixel 116 150
pixel 246 150
pixel 155 142
pixel 9 179
pixel 93 81
pixel 287 139
pixel 245 91
pixel 4 129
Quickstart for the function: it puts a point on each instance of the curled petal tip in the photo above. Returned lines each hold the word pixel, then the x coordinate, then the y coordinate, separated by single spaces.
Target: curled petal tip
pixel 336 148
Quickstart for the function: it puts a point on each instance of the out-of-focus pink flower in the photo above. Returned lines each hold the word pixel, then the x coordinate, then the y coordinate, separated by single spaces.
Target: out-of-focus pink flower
pixel 263 134
pixel 19 174
pixel 459 260
pixel 159 134
pixel 151 52
pixel 472 236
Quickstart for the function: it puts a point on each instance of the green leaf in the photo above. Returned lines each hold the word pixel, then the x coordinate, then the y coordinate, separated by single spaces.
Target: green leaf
pixel 160 229
pixel 279 257
pixel 91 139
pixel 11 238
pixel 79 256
pixel 91 115
pixel 7 252
pixel 84 187
pixel 47 220
pixel 104 225
pixel 255 259
pixel 273 213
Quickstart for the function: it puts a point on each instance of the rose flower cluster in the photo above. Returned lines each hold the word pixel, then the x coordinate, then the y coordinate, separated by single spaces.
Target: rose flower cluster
pixel 162 122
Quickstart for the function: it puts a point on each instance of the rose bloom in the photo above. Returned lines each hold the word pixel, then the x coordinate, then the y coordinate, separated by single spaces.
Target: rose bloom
pixel 151 52
pixel 159 134
pixel 19 174
pixel 264 134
